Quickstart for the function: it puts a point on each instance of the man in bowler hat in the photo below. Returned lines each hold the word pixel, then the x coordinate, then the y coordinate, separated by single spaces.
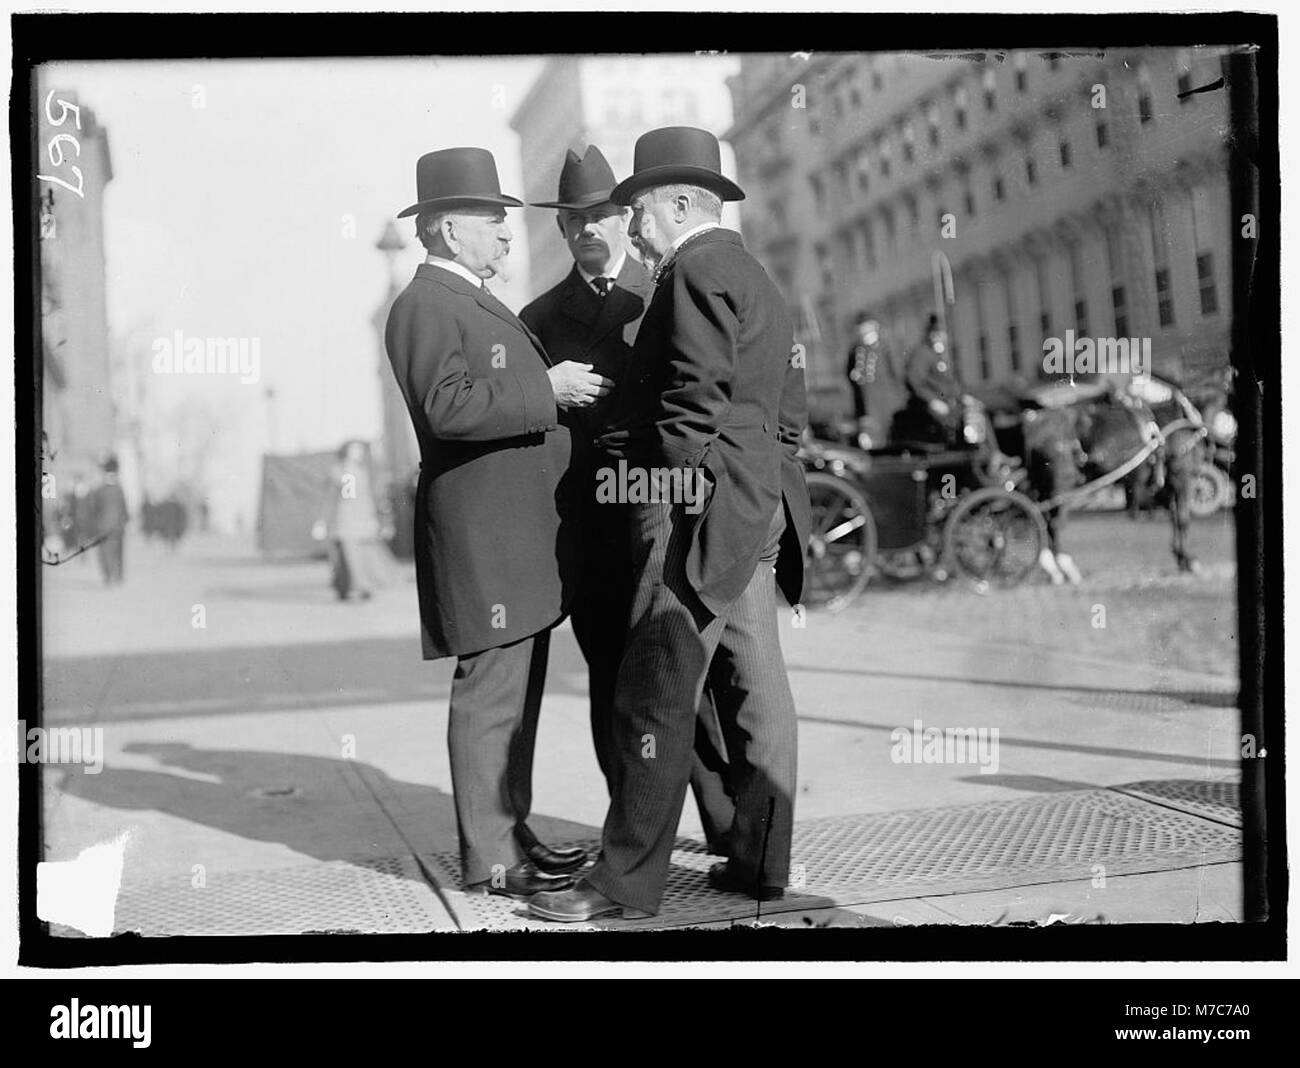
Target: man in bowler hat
pixel 495 548
pixel 592 316
pixel 713 389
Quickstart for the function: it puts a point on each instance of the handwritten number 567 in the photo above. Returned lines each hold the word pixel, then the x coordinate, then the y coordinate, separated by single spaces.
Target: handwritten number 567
pixel 55 148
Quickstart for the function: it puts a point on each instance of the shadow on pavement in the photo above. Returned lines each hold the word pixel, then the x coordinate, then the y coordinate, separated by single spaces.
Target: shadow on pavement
pixel 357 671
pixel 323 807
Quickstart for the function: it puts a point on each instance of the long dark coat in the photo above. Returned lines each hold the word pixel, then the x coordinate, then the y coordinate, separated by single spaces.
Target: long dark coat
pixel 574 323
pixel 717 386
pixel 496 547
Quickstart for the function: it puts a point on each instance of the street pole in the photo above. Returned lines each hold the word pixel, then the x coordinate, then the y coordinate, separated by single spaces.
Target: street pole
pixel 943 291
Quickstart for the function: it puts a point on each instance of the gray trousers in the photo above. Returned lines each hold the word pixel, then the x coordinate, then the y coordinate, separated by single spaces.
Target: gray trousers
pixel 673 645
pixel 496 696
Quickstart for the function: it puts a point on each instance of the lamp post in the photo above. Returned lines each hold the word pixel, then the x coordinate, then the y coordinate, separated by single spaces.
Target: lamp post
pixel 398 445
pixel 943 292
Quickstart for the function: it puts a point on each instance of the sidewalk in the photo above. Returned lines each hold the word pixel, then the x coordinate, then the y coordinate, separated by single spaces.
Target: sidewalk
pixel 284 768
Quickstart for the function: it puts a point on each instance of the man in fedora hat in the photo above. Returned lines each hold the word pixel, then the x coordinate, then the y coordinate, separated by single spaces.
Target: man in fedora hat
pixel 496 550
pixel 592 316
pixel 715 387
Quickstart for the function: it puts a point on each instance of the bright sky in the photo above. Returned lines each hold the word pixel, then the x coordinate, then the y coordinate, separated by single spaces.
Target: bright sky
pixel 255 216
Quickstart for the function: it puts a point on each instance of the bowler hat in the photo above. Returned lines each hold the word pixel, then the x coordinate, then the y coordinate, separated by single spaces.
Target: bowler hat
pixel 585 181
pixel 676 154
pixel 453 176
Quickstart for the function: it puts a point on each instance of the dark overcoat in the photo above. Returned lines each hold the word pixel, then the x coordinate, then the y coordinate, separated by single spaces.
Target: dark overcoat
pixel 496 545
pixel 717 384
pixel 574 323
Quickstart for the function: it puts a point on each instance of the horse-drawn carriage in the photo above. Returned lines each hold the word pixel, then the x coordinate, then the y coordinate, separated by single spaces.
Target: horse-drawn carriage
pixel 988 512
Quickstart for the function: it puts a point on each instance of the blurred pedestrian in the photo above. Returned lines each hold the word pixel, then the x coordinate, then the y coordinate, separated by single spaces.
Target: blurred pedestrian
pixel 352 524
pixel 110 518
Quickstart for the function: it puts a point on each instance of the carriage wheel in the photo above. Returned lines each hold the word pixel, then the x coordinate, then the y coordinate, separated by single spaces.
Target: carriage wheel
pixel 1209 491
pixel 993 537
pixel 842 548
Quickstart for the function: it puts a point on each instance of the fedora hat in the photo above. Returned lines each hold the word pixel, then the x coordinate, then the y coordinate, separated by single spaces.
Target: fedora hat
pixel 457 176
pixel 676 154
pixel 585 181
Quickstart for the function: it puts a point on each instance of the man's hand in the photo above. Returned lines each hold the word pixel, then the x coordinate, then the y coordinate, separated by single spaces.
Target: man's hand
pixel 940 408
pixel 576 386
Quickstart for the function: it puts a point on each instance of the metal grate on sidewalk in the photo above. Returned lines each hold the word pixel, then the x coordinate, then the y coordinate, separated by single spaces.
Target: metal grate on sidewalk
pixel 1218 801
pixel 854 860
pixel 1056 837
pixel 388 895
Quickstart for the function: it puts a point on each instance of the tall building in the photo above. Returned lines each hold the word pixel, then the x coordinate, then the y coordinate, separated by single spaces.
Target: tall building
pixel 1081 192
pixel 73 167
pixel 610 102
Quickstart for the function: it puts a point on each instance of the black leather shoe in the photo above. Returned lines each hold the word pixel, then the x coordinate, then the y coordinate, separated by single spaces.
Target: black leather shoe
pixel 720 878
pixel 547 858
pixel 579 904
pixel 523 880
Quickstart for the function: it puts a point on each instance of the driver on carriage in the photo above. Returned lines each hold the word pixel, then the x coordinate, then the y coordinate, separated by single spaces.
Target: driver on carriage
pixel 935 395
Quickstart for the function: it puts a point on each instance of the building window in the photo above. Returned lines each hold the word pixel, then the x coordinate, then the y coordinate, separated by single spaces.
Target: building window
pixel 1013 334
pixel 1144 108
pixel 1045 324
pixel 986 372
pixel 869 245
pixel 1031 174
pixel 1103 135
pixel 864 181
pixel 1164 297
pixel 855 98
pixel 999 191
pixel 1205 279
pixel 1202 232
pixel 990 90
pixel 819 192
pixel 877 80
pixel 932 121
pixel 909 146
pixel 1144 95
pixel 886 164
pixel 1022 73
pixel 1118 297
pixel 1054 62
pixel 959 103
pixel 1065 155
pixel 826 267
pixel 968 201
pixel 1081 318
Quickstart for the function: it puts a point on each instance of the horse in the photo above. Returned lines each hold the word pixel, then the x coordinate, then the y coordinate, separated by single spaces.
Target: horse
pixel 1146 445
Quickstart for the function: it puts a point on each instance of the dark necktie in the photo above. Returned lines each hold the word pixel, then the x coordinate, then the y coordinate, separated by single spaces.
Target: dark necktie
pixel 602 285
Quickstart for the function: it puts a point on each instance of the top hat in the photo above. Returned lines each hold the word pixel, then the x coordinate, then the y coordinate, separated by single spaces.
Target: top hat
pixel 676 154
pixel 457 176
pixel 585 181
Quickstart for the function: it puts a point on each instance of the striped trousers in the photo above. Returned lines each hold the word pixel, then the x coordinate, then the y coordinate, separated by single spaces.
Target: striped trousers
pixel 673 645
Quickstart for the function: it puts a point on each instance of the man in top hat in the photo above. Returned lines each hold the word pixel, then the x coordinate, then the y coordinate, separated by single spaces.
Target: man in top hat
pixel 496 549
pixel 713 390
pixel 592 316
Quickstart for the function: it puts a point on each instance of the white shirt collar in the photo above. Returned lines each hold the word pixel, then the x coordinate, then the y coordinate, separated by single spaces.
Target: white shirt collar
pixel 684 237
pixel 614 268
pixel 455 268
